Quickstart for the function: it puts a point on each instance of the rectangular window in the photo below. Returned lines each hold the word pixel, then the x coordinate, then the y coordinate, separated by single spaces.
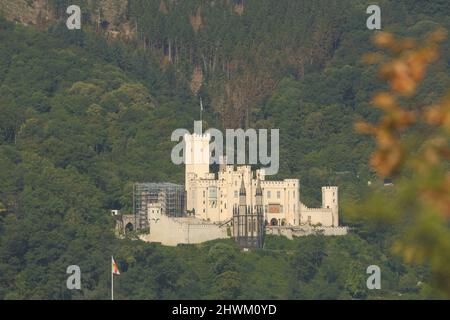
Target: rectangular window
pixel 213 193
pixel 268 194
pixel 278 194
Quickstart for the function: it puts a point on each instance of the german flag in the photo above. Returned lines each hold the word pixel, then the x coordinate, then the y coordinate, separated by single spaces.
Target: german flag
pixel 115 269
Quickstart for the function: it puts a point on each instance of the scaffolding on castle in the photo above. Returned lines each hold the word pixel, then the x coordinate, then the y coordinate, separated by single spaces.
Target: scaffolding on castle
pixel 170 196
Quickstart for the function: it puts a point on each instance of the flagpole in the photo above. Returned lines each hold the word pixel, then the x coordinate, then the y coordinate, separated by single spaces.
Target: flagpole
pixel 201 109
pixel 112 281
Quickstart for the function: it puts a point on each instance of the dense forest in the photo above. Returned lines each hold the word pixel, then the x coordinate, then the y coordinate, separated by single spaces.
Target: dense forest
pixel 86 113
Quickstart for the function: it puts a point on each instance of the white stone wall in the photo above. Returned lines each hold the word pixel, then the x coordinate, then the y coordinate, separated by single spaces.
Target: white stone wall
pixel 171 231
pixel 300 231
pixel 284 195
pixel 316 216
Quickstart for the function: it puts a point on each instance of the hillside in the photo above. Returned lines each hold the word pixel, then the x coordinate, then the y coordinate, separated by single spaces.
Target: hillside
pixel 253 71
pixel 85 114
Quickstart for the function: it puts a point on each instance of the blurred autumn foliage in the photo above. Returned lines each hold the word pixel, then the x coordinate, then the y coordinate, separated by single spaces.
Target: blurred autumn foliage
pixel 412 148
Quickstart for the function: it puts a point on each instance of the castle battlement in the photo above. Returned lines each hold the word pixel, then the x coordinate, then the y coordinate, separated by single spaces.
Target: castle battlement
pixel 207 182
pixel 306 209
pixel 196 136
pixel 271 182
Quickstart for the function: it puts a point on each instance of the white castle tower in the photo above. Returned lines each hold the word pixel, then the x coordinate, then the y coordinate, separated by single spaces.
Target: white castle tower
pixel 196 160
pixel 197 152
pixel 330 201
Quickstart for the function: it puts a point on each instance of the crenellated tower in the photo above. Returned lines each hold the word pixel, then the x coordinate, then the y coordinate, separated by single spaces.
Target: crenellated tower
pixel 196 160
pixel 330 201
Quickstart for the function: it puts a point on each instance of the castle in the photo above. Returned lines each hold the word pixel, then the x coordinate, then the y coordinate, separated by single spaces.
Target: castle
pixel 234 202
pixel 212 197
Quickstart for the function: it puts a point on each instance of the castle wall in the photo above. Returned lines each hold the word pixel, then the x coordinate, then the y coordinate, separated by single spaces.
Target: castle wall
pixel 172 231
pixel 301 231
pixel 316 216
pixel 281 201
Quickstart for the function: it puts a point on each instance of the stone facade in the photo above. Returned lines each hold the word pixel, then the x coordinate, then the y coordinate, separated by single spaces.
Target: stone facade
pixel 212 197
pixel 171 231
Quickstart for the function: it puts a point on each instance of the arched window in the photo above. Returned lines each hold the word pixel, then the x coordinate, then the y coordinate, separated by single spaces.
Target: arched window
pixel 129 227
